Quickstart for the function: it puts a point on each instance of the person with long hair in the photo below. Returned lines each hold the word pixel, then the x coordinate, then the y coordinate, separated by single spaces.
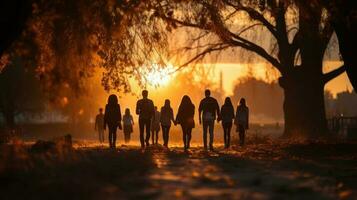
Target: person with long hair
pixel 112 119
pixel 167 115
pixel 128 123
pixel 185 118
pixel 242 120
pixel 227 116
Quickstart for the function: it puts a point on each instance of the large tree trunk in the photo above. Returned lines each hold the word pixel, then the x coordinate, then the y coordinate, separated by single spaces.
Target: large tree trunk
pixel 347 44
pixel 304 109
pixel 9 119
pixel 344 20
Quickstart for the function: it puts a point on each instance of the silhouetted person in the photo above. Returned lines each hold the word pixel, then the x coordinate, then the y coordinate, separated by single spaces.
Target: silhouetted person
pixel 112 119
pixel 184 117
pixel 242 120
pixel 128 123
pixel 99 125
pixel 227 116
pixel 209 109
pixel 145 110
pixel 167 115
pixel 155 126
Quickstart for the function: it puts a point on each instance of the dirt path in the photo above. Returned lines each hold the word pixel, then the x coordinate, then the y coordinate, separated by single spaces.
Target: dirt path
pixel 270 170
pixel 233 175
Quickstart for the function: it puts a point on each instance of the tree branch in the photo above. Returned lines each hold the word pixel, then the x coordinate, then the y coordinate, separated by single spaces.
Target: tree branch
pixel 254 15
pixel 216 47
pixel 261 52
pixel 334 73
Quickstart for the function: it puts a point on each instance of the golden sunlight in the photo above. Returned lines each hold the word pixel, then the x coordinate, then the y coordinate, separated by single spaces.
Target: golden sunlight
pixel 159 76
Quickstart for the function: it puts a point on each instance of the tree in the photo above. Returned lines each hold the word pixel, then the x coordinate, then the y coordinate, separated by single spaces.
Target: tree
pixel 72 38
pixel 262 98
pixel 20 92
pixel 13 14
pixel 344 21
pixel 300 31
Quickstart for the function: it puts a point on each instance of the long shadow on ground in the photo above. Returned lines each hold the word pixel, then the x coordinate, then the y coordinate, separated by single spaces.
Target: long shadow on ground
pixel 87 173
pixel 294 171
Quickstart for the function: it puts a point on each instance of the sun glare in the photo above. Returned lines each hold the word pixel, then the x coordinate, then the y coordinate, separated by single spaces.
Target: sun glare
pixel 159 76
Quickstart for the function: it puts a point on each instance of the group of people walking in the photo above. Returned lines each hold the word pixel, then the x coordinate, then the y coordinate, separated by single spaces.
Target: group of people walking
pixel 151 120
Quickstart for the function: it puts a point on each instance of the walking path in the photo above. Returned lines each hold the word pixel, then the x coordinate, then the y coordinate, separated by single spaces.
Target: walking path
pixel 235 175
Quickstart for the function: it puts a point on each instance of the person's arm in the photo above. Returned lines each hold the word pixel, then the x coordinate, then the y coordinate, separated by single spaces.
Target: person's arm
pixel 199 112
pixel 105 117
pixel 172 116
pixel 96 123
pixel 193 112
pixel 218 111
pixel 137 107
pixel 236 117
pixel 178 116
pixel 120 127
pixel 132 120
pixel 247 118
pixel 232 112
pixel 152 108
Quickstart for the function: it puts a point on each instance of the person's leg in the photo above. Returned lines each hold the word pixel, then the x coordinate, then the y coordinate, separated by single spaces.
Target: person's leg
pixel 110 135
pixel 229 128
pixel 205 127
pixel 114 137
pixel 126 137
pixel 240 129
pixel 211 129
pixel 147 126
pixel 184 136
pixel 129 137
pixel 99 136
pixel 102 135
pixel 167 135
pixel 152 137
pixel 225 135
pixel 189 134
pixel 163 135
pixel 157 137
pixel 141 128
pixel 243 132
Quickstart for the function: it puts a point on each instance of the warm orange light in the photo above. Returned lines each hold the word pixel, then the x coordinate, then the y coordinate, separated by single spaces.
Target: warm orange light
pixel 159 76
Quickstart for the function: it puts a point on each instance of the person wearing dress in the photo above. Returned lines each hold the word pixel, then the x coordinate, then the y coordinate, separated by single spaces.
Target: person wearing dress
pixel 185 118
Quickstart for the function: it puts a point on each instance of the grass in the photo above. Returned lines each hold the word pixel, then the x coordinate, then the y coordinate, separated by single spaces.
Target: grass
pixel 90 173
